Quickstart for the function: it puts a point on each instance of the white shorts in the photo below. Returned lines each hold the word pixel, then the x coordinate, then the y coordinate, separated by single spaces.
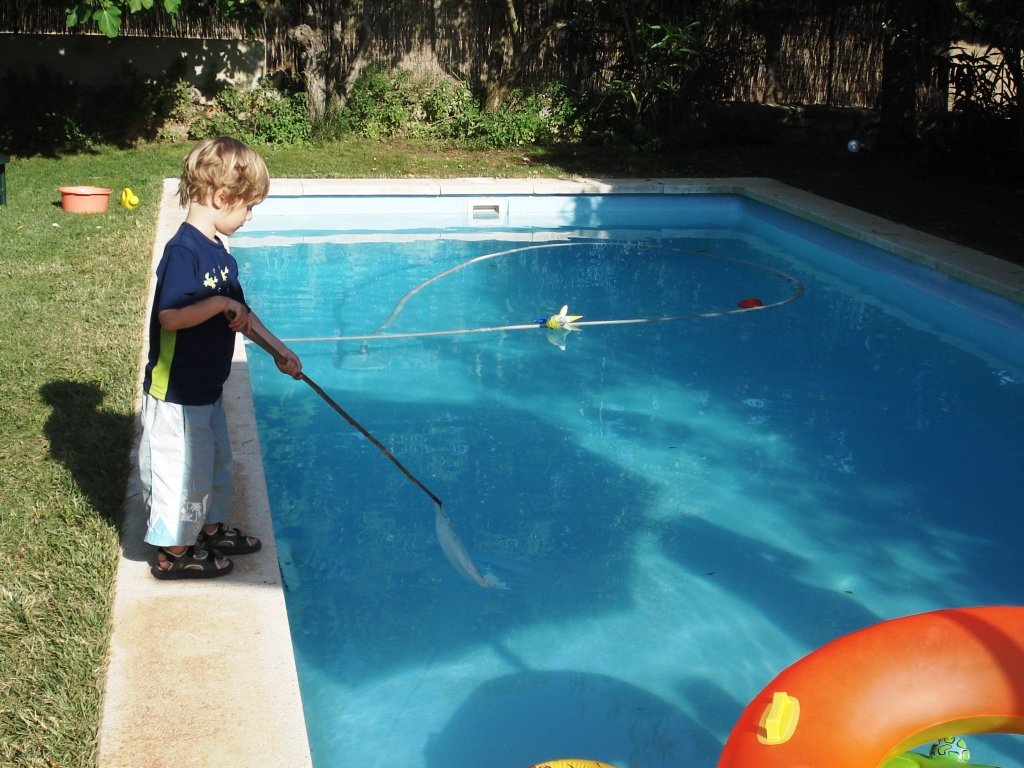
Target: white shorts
pixel 185 468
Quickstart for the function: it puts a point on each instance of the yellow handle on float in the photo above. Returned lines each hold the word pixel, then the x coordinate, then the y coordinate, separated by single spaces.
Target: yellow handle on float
pixel 779 720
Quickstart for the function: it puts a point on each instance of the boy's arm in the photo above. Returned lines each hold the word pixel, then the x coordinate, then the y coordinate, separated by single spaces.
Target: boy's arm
pixel 194 314
pixel 287 361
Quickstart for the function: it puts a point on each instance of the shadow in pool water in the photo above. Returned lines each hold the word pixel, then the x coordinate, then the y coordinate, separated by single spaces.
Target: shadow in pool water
pixel 763 576
pixel 372 596
pixel 529 717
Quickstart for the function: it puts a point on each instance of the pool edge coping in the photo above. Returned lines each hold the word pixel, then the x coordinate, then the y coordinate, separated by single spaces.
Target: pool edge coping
pixel 262 721
pixel 970 265
pixel 157 701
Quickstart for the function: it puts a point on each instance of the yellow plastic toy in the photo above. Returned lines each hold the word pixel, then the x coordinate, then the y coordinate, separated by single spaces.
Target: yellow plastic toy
pixel 128 198
pixel 562 320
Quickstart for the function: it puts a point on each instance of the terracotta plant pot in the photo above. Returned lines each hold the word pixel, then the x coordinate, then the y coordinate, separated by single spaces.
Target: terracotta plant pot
pixel 84 199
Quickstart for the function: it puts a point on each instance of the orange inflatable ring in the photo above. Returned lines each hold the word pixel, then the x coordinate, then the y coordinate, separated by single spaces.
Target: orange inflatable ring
pixel 572 763
pixel 870 696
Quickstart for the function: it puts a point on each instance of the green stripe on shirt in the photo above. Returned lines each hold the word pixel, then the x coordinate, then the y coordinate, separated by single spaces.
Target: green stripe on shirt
pixel 161 375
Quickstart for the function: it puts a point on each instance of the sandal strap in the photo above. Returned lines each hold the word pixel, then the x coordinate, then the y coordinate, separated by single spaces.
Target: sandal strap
pixel 196 562
pixel 232 540
pixel 223 532
pixel 194 558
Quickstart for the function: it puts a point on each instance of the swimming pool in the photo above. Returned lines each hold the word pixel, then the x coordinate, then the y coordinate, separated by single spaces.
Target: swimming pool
pixel 679 509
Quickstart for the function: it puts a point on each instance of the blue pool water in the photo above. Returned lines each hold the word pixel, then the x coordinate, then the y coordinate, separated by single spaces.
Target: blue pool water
pixel 680 509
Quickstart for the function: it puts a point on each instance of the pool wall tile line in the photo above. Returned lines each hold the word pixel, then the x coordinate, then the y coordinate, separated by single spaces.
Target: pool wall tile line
pixel 202 672
pixel 495 186
pixel 972 266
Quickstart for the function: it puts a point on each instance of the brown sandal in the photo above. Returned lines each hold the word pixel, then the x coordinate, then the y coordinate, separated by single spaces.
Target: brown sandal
pixel 194 563
pixel 230 541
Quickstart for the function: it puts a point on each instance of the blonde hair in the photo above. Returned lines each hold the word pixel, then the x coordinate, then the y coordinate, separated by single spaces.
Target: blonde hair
pixel 223 163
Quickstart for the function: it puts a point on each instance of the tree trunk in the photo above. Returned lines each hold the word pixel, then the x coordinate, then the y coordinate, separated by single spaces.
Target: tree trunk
pixel 1014 58
pixel 348 41
pixel 511 51
pixel 314 73
pixel 358 62
pixel 499 69
pixel 917 35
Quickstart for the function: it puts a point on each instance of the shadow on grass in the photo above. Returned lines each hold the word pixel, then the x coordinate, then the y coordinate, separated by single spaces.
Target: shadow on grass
pixel 92 443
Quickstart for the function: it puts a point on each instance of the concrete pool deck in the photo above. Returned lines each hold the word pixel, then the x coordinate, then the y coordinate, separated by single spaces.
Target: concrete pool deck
pixel 203 672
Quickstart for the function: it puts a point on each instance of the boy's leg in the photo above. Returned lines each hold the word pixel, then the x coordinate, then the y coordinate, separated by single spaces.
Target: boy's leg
pixel 176 459
pixel 175 464
pixel 222 480
pixel 229 541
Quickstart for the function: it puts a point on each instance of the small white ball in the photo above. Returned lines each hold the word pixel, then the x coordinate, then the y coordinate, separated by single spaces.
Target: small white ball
pixel 853 145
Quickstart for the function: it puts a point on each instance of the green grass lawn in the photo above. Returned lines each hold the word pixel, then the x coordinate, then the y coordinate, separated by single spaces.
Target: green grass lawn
pixel 72 299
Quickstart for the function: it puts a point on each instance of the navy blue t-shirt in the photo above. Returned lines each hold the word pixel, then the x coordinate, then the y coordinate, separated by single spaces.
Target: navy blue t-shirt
pixel 189 366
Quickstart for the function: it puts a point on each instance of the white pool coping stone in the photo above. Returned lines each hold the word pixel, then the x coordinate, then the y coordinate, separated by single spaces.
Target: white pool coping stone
pixel 202 672
pixel 972 266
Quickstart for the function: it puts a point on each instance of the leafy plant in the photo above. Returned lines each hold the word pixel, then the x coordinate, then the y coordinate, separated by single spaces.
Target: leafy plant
pixel 396 103
pixel 649 85
pixel 182 102
pixel 380 104
pixel 106 14
pixel 449 107
pixel 531 117
pixel 981 83
pixel 258 115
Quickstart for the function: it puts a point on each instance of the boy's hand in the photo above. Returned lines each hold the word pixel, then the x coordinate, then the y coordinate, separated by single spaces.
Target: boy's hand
pixel 239 317
pixel 288 362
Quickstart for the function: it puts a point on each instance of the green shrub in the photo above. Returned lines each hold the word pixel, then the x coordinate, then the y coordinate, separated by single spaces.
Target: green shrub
pixel 182 102
pixel 257 115
pixel 396 103
pixel 449 107
pixel 380 104
pixel 541 116
pixel 652 89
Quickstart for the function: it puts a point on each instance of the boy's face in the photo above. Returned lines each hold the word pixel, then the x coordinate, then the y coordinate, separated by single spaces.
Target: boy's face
pixel 231 216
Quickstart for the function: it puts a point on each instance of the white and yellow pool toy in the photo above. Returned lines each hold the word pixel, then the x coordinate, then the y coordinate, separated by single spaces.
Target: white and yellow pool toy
pixel 572 763
pixel 558 326
pixel 563 320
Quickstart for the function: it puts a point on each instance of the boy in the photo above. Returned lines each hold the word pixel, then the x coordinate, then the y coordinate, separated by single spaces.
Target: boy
pixel 198 306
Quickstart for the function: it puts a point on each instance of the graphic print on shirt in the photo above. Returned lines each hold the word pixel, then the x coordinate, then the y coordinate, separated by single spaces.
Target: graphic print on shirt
pixel 213 283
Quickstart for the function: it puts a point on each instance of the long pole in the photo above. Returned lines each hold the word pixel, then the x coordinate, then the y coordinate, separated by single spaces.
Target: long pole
pixel 260 340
